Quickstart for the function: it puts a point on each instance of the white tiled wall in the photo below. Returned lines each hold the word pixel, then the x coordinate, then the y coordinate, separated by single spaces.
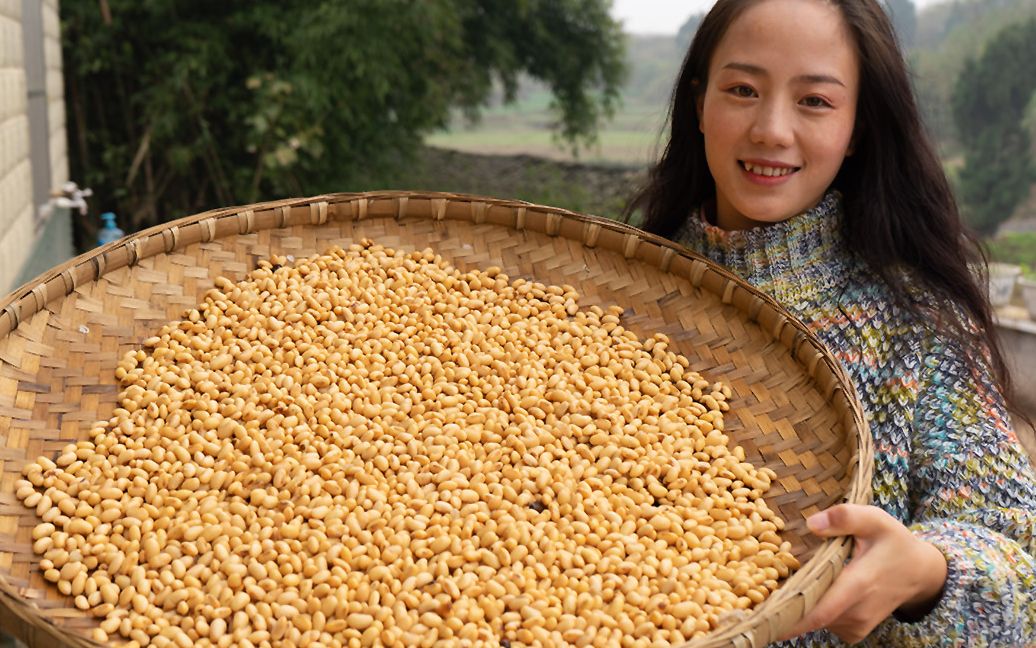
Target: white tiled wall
pixel 16 210
pixel 17 213
pixel 55 94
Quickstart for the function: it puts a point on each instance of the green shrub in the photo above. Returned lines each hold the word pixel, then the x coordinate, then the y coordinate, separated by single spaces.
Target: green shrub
pixel 1018 248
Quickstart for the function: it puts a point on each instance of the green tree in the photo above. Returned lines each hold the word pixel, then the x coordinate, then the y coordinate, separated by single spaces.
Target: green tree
pixel 948 34
pixel 989 106
pixel 182 105
pixel 996 176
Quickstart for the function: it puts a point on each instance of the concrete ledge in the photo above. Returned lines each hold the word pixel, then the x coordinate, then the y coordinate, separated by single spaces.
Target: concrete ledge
pixel 1015 324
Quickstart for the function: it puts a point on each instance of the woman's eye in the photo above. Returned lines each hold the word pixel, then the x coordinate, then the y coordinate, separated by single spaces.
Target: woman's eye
pixel 815 102
pixel 742 91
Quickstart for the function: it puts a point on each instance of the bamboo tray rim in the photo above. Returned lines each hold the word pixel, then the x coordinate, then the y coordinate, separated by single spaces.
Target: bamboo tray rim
pixel 788 603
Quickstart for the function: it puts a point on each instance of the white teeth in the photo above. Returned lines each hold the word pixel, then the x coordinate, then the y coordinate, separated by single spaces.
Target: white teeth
pixel 768 171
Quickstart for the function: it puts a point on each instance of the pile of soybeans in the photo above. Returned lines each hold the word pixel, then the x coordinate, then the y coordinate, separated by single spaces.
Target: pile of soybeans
pixel 371 447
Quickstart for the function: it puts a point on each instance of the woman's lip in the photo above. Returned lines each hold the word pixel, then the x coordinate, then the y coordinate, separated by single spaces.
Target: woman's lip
pixel 767 181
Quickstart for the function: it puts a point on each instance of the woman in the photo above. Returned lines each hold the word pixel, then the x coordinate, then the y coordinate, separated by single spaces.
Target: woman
pixel 797 158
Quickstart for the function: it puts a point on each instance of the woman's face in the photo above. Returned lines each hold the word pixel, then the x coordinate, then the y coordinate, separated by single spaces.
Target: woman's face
pixel 779 109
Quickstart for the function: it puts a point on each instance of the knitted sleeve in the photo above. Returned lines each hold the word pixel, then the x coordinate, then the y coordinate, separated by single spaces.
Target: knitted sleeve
pixel 973 495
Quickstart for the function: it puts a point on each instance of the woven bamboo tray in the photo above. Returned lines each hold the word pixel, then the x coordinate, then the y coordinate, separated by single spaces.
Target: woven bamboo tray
pixel 793 407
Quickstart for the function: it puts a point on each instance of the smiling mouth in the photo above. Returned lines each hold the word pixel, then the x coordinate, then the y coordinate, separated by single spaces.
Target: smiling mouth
pixel 771 172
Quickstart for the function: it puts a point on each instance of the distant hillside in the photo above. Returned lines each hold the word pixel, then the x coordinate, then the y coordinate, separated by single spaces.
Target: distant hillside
pixel 654 63
pixel 948 34
pixel 630 138
pixel 947 23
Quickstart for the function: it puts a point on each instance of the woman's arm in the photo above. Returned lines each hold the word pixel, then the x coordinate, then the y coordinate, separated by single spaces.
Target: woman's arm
pixel 891 569
pixel 964 573
pixel 974 498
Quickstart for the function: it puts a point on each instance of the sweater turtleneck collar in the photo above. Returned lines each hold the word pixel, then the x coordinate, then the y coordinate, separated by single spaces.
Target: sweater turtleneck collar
pixel 795 261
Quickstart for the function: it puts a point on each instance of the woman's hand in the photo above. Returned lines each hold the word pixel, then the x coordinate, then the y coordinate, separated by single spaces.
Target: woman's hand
pixel 890 570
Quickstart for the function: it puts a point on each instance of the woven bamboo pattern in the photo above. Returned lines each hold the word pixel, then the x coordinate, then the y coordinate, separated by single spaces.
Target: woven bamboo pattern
pixel 793 409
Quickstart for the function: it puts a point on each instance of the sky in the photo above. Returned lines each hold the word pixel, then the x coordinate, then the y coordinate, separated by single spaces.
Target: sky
pixel 666 16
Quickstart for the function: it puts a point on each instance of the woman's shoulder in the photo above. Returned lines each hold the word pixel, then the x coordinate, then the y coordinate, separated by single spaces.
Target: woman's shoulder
pixel 931 320
pixel 898 322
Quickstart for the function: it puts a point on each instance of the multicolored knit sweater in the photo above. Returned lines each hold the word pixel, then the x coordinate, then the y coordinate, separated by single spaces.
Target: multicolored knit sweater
pixel 947 463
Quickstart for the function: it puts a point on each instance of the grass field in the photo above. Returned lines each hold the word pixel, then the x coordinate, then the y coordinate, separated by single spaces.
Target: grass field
pixel 618 147
pixel 629 138
pixel 1015 247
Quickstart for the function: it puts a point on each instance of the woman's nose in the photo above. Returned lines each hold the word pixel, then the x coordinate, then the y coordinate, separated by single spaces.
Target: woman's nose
pixel 772 126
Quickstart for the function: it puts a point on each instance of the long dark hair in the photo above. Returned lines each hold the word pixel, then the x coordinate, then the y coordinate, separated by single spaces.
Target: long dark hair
pixel 900 209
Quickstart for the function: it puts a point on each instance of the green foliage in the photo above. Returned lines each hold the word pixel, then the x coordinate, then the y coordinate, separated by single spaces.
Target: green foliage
pixel 1018 248
pixel 996 87
pixel 996 177
pixel 182 105
pixel 948 34
pixel 989 104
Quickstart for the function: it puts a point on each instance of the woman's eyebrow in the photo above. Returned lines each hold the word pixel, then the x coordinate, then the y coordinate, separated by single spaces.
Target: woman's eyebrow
pixel 755 70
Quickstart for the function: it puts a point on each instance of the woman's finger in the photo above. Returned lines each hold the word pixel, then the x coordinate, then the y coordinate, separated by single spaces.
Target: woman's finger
pixel 850 519
pixel 847 590
pixel 855 624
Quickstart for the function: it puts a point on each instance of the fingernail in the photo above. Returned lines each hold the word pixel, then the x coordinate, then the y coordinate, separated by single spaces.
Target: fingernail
pixel 818 522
